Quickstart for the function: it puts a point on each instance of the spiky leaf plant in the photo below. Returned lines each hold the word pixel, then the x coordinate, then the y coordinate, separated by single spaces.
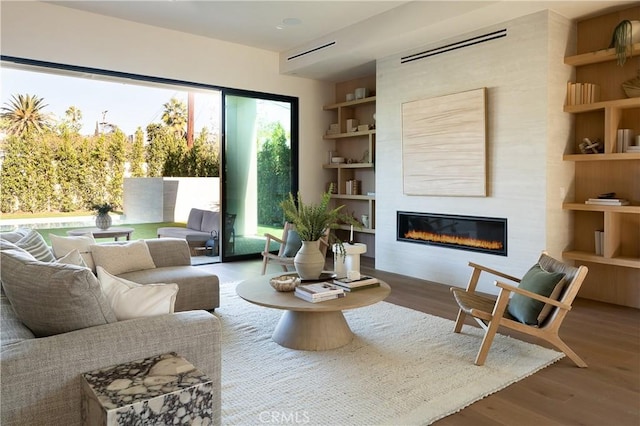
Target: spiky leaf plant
pixel 312 220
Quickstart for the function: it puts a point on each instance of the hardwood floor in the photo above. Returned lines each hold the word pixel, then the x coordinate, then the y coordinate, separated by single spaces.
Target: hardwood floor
pixel 606 336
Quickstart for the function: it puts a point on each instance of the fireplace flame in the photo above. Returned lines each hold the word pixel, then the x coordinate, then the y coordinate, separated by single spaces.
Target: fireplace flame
pixel 453 239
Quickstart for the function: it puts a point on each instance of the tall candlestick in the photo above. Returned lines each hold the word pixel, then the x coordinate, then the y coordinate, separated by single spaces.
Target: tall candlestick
pixel 351 234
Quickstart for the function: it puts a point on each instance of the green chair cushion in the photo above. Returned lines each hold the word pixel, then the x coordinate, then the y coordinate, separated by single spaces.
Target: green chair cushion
pixel 539 281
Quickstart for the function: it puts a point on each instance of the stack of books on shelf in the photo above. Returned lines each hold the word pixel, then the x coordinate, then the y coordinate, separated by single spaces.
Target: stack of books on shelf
pixel 599 236
pixel 352 187
pixel 360 284
pixel 608 201
pixel 334 129
pixel 582 93
pixel 318 292
pixel 624 142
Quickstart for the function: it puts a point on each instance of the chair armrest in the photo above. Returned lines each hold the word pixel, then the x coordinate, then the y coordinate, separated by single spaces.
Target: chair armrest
pixel 273 237
pixel 532 295
pixel 494 272
pixel 267 243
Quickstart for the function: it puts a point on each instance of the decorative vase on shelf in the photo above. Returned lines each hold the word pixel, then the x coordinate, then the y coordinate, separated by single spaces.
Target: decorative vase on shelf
pixel 309 261
pixel 103 221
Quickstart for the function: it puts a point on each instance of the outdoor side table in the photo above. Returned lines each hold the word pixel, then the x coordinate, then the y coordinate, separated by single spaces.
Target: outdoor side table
pixel 160 390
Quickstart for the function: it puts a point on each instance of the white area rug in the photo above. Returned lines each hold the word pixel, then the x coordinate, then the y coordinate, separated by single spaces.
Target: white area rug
pixel 403 368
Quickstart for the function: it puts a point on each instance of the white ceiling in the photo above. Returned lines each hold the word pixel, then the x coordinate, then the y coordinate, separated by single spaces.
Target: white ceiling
pixel 366 30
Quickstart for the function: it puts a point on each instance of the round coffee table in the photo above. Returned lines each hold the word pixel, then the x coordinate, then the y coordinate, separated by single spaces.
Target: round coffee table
pixel 112 232
pixel 305 325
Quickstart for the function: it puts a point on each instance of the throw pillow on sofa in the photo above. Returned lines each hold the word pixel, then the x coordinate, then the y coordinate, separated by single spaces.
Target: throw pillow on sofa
pixel 36 246
pixel 120 258
pixel 53 298
pixel 72 258
pixel 64 245
pixel 132 300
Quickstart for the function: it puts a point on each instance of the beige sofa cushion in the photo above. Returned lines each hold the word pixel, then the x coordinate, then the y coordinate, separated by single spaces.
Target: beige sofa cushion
pixel 53 298
pixel 132 300
pixel 64 245
pixel 120 258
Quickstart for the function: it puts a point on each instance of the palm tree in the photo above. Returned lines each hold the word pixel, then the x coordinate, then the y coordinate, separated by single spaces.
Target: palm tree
pixel 175 116
pixel 74 117
pixel 24 113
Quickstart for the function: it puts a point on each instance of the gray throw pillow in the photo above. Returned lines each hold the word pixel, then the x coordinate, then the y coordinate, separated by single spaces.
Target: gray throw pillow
pixel 36 246
pixel 293 243
pixel 539 281
pixel 53 298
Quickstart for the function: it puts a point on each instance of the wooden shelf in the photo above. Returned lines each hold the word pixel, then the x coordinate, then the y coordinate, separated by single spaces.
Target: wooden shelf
pixel 598 208
pixel 349 135
pixel 368 100
pixel 595 106
pixel 598 56
pixel 349 166
pixel 352 197
pixel 627 262
pixel 602 157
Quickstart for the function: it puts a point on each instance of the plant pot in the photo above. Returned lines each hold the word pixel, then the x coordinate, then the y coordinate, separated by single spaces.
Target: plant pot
pixel 309 261
pixel 103 221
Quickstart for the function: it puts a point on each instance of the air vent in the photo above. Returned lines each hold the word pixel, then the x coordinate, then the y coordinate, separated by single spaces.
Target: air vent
pixel 315 49
pixel 453 46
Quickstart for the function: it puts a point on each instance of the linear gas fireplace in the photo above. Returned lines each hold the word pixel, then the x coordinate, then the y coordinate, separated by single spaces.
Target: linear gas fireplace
pixel 482 234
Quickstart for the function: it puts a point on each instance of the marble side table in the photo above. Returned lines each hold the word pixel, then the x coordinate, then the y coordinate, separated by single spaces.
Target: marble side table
pixel 160 390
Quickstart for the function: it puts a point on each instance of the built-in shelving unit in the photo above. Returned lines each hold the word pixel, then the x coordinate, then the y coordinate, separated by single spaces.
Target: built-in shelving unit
pixel 358 148
pixel 614 275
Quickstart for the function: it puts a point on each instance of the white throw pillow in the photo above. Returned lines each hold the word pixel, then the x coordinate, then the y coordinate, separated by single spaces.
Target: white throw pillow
pixel 132 300
pixel 73 258
pixel 62 246
pixel 120 258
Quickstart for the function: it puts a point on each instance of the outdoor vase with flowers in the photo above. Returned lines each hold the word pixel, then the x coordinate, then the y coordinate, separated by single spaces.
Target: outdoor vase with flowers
pixel 312 222
pixel 103 220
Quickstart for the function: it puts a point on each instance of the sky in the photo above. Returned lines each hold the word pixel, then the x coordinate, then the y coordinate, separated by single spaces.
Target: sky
pixel 128 106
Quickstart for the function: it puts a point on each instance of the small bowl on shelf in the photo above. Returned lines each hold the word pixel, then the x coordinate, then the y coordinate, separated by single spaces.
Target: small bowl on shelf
pixel 285 283
pixel 337 160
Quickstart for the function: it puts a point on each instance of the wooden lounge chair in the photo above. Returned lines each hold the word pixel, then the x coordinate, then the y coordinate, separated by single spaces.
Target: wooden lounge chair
pixel 491 314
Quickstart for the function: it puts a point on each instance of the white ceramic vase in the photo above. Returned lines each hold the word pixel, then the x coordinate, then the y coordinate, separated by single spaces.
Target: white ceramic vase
pixel 309 261
pixel 103 221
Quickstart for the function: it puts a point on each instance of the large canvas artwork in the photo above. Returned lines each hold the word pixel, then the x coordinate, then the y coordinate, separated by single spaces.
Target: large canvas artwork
pixel 444 145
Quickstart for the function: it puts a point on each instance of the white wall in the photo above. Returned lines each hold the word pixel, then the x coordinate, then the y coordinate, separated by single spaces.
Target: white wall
pixel 527 133
pixel 46 32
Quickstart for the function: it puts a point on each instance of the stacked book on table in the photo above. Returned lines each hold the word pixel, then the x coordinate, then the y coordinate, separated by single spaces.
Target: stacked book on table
pixel 318 292
pixel 360 284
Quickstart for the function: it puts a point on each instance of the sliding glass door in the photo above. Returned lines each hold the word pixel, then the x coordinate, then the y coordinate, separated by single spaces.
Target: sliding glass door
pixel 258 168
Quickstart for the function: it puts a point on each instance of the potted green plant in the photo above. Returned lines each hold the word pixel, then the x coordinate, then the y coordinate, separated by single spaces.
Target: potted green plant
pixel 625 34
pixel 312 222
pixel 103 220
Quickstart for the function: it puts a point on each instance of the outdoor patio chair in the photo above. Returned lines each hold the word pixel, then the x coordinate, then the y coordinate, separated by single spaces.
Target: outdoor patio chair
pixel 289 245
pixel 538 306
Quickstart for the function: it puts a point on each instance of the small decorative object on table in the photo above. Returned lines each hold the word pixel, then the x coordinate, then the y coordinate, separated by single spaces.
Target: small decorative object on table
pixel 103 220
pixel 285 282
